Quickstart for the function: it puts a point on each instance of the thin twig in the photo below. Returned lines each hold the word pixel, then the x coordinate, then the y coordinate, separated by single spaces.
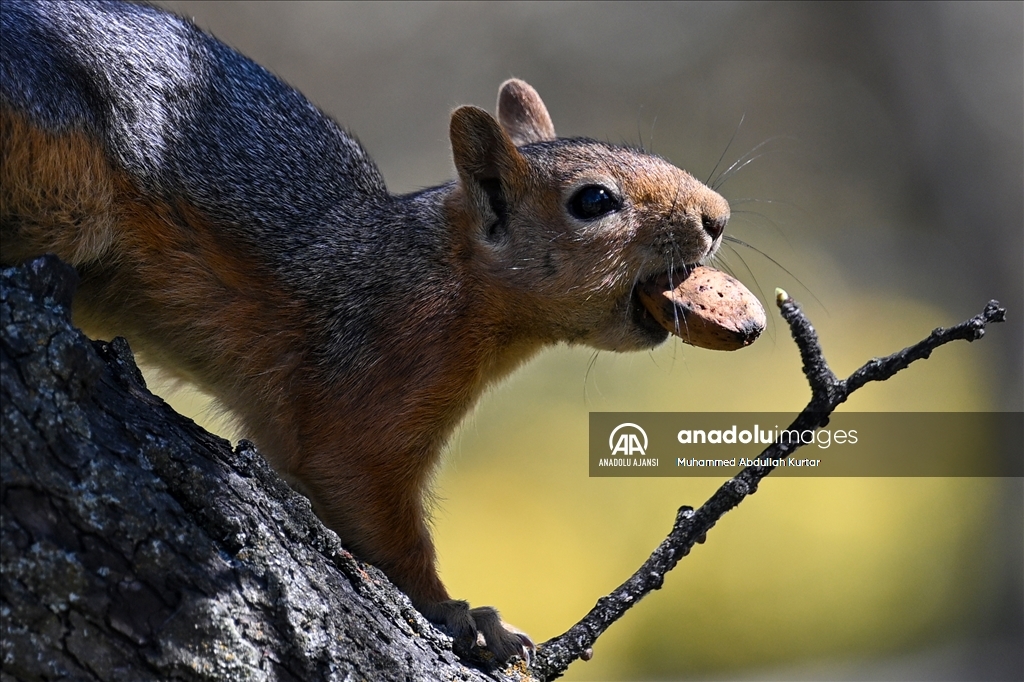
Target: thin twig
pixel 827 392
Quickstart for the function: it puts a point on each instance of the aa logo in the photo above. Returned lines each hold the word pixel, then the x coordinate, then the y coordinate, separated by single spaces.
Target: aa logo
pixel 629 440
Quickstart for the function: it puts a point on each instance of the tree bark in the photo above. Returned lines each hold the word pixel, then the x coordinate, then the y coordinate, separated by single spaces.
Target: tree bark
pixel 137 546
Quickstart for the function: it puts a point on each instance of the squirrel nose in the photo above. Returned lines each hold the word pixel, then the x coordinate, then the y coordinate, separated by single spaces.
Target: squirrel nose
pixel 713 225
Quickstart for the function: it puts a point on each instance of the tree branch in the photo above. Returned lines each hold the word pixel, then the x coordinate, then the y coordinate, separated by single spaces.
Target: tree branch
pixel 691 526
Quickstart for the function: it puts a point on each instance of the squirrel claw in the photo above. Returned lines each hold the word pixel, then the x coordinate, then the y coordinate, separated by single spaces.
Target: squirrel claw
pixel 526 645
pixel 480 635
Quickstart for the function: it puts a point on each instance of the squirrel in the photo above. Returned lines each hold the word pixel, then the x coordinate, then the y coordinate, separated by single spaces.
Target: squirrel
pixel 245 242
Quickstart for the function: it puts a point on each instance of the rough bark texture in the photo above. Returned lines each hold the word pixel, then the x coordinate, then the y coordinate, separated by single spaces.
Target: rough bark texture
pixel 137 546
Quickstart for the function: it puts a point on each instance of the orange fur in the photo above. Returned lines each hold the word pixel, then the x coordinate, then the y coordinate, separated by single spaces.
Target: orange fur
pixel 47 183
pixel 369 460
pixel 151 271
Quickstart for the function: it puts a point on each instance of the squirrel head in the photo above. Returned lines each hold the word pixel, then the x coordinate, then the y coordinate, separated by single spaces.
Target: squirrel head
pixel 559 233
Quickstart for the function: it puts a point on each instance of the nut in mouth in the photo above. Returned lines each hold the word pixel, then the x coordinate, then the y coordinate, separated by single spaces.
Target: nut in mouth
pixel 704 307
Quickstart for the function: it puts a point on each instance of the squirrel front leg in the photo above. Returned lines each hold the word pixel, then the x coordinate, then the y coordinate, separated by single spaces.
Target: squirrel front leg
pixel 375 508
pixel 375 504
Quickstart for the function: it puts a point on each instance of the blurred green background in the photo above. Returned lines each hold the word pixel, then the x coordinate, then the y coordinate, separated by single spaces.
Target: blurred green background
pixel 884 192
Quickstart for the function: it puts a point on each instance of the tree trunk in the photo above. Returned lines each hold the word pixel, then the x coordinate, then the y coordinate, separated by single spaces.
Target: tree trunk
pixel 137 546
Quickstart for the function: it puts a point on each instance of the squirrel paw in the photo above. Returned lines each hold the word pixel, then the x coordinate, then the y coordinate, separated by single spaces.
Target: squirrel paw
pixel 480 634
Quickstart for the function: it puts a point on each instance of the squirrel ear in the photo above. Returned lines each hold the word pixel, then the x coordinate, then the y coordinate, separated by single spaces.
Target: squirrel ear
pixel 522 113
pixel 482 150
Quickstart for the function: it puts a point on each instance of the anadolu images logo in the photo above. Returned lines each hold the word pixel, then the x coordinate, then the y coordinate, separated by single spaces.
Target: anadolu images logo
pixel 628 442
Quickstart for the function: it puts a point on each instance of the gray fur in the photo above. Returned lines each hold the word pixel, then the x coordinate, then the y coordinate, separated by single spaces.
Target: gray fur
pixel 185 115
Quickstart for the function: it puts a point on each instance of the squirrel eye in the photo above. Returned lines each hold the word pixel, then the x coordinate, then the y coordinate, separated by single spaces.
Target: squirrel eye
pixel 593 201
